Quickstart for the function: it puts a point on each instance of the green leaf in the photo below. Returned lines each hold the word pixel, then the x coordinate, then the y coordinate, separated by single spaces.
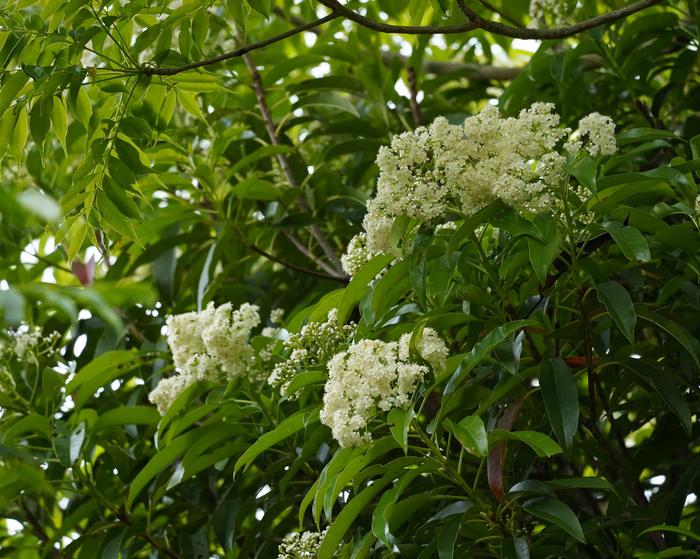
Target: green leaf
pixel 9 91
pixel 447 537
pixel 672 529
pixel 399 422
pixel 595 483
pixel 100 366
pixel 20 134
pixel 305 379
pixel 256 189
pixel 543 445
pixel 638 135
pixel 619 306
pixel 471 432
pixel 481 350
pixel 350 511
pixel 40 118
pixel 630 240
pixel 59 120
pixel 32 423
pixel 389 289
pixel 68 442
pixel 559 514
pixel 330 100
pixel 560 395
pixel 127 415
pixel 261 6
pixel 83 107
pixel 287 428
pixel 259 154
pixel 203 282
pixel 161 461
pixel 683 336
pixel 359 285
pixel 542 253
pixel 111 215
pixel 445 7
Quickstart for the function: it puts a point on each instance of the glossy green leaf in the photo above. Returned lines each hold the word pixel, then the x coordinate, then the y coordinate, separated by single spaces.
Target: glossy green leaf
pixel 543 445
pixel 560 395
pixel 471 433
pixel 558 514
pixel 293 424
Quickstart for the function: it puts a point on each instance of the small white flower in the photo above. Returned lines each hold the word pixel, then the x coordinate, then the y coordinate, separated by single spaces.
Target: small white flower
pixel 208 345
pixel 601 134
pixel 374 375
pixel 357 254
pixel 301 546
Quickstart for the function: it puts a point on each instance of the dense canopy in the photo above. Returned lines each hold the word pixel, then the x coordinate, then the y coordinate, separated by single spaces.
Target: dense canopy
pixel 374 278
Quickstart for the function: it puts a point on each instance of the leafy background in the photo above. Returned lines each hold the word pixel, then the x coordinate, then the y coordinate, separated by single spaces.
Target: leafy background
pixel 128 196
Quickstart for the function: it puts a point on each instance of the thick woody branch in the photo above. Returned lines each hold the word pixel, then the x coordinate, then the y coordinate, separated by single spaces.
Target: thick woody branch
pixel 474 21
pixel 557 33
pixel 477 72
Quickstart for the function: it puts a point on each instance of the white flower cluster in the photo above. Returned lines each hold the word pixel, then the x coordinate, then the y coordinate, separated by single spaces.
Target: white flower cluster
pixel 600 131
pixel 357 254
pixel 551 13
pixel 210 344
pixel 276 316
pixel 301 546
pixel 374 375
pixel 28 340
pixel 311 347
pixel 426 173
pixel 25 340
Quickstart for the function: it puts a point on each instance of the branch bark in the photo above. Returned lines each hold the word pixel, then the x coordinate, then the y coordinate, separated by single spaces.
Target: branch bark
pixel 557 33
pixel 474 21
pixel 413 88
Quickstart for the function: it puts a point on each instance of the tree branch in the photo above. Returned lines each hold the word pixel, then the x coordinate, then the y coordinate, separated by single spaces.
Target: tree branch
pixel 413 88
pixel 335 269
pixel 156 71
pixel 474 21
pixel 557 33
pixel 257 250
pixel 338 8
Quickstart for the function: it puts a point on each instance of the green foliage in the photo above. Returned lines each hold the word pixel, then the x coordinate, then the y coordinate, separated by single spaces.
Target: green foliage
pixel 562 424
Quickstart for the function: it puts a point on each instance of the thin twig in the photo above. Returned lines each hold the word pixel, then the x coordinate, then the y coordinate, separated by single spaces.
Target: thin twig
pixel 335 268
pixel 156 71
pixel 413 89
pixel 256 249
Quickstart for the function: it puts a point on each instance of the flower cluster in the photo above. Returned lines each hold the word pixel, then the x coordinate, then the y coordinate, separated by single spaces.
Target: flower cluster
pixel 311 347
pixel 301 546
pixel 600 131
pixel 357 254
pixel 429 172
pixel 210 344
pixel 546 13
pixel 27 340
pixel 374 375
pixel 22 348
